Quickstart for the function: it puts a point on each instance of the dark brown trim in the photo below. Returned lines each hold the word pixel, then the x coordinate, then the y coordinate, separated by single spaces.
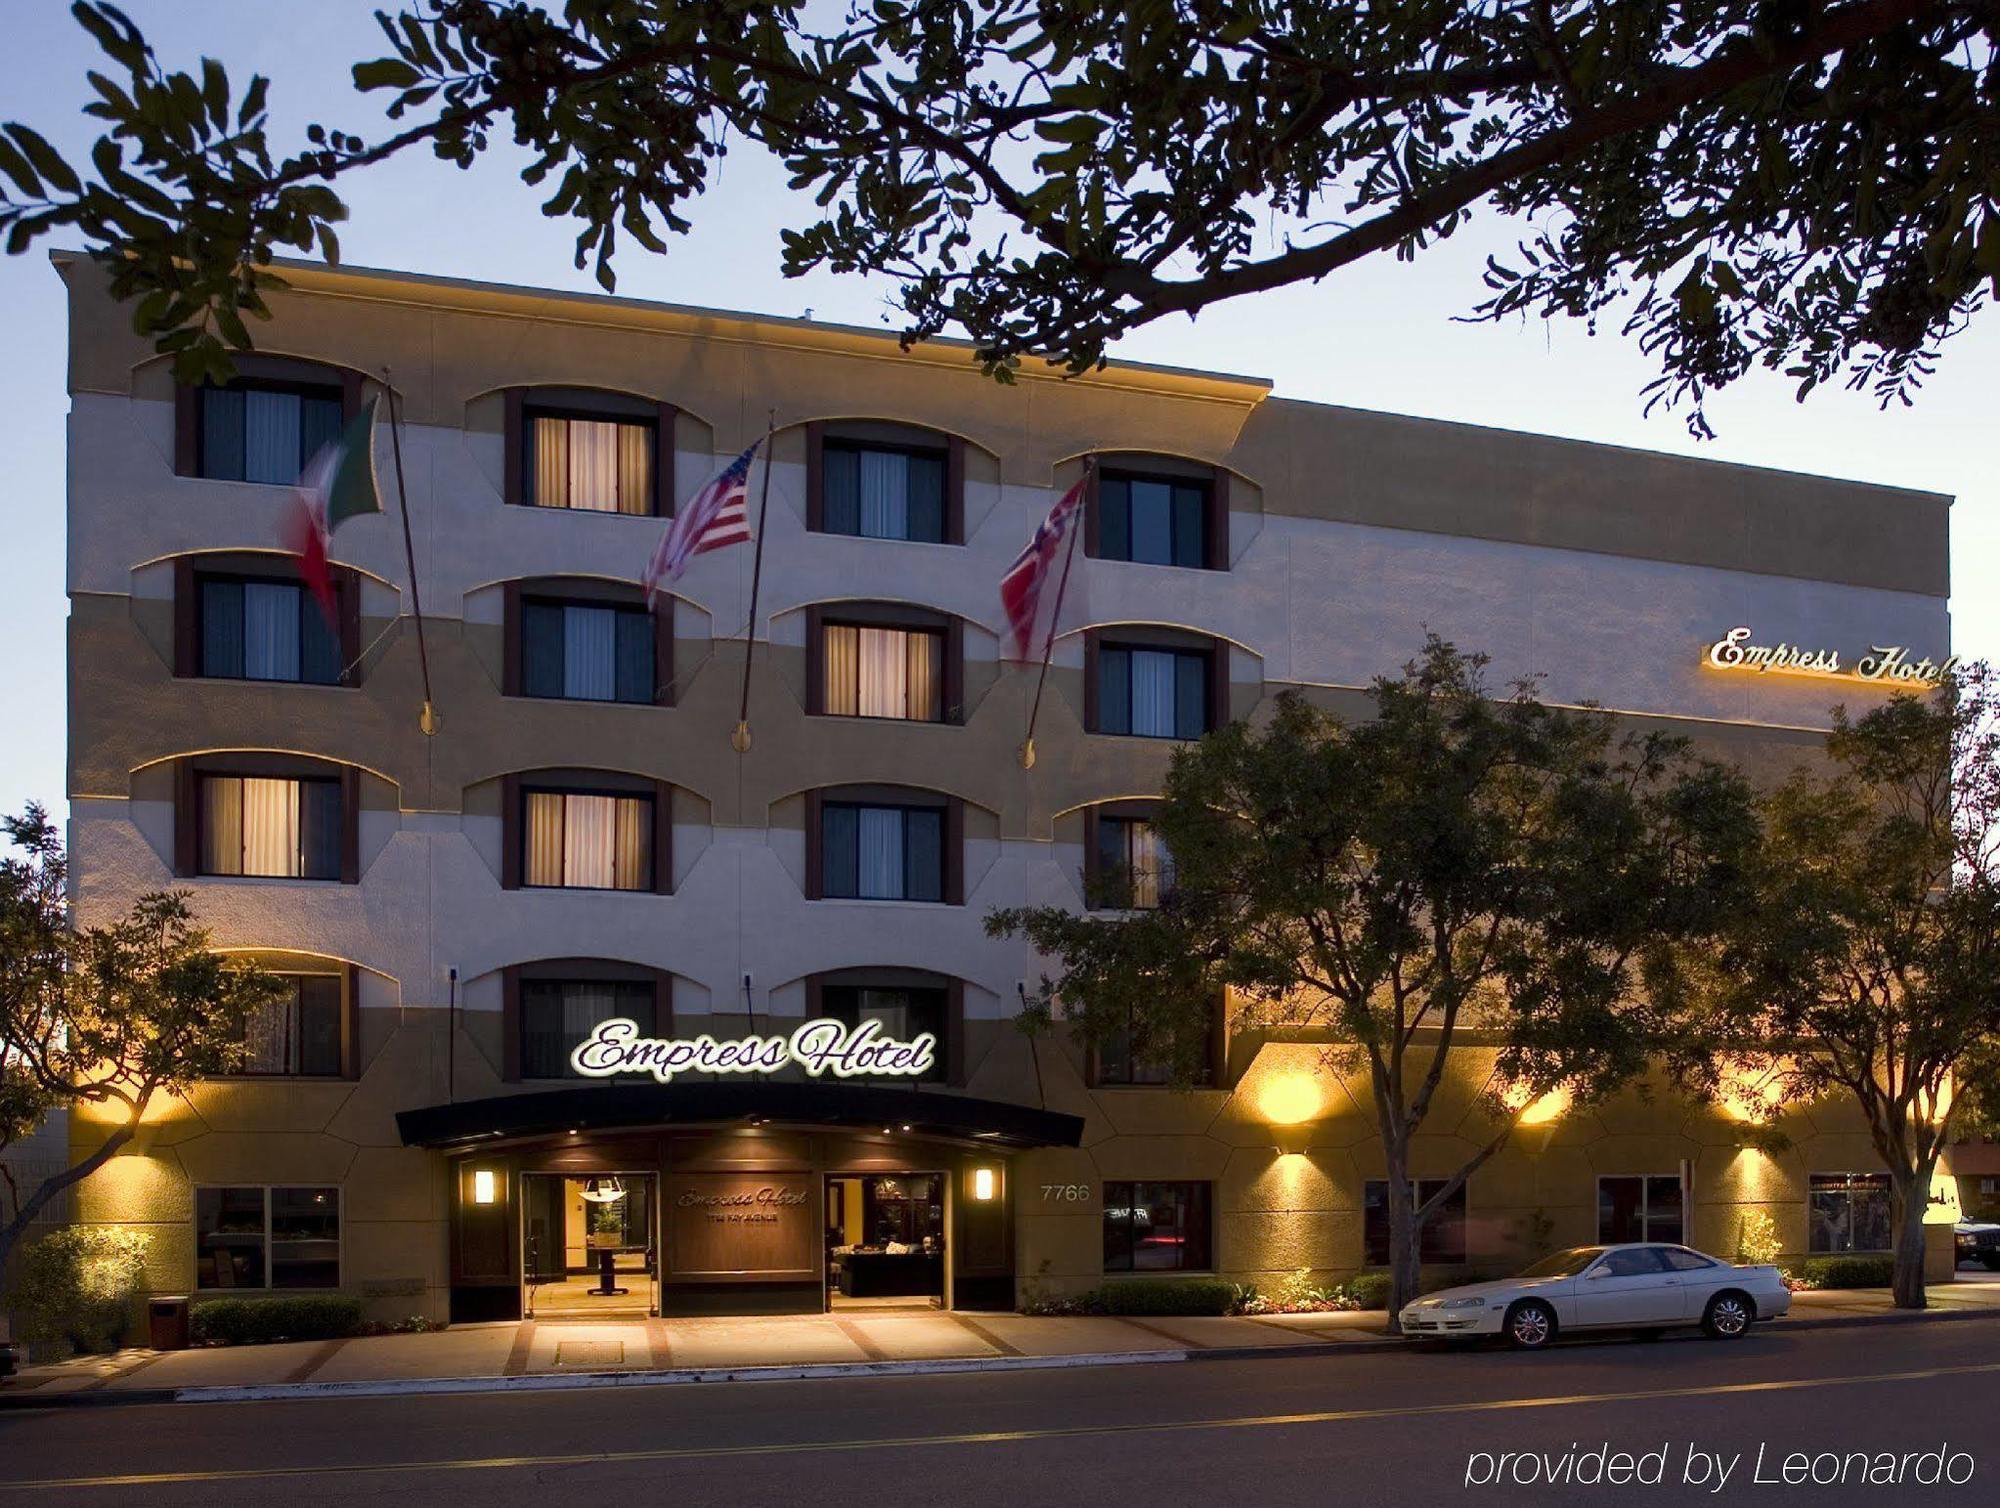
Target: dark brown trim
pixel 1093 866
pixel 954 852
pixel 187 430
pixel 347 608
pixel 663 1003
pixel 954 1033
pixel 664 416
pixel 350 1023
pixel 510 832
pixel 1218 685
pixel 815 475
pixel 954 670
pixel 510 639
pixel 1090 676
pixel 663 838
pixel 1090 522
pixel 187 618
pixel 815 660
pixel 1217 532
pixel 514 444
pixel 663 652
pixel 350 395
pixel 954 491
pixel 815 840
pixel 350 825
pixel 187 819
pixel 815 997
pixel 510 1024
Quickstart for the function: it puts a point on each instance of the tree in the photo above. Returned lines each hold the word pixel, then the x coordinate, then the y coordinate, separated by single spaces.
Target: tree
pixel 1805 186
pixel 108 1017
pixel 1868 961
pixel 1456 876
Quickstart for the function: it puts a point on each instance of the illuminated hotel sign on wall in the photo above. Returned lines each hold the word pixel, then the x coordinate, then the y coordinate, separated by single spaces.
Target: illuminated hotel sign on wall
pixel 1883 665
pixel 819 1047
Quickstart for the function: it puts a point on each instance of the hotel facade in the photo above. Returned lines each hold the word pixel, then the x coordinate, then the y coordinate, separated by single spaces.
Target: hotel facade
pixel 579 838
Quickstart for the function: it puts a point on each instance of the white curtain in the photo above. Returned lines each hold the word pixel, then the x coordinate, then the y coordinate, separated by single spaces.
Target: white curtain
pixel 885 495
pixel 271 827
pixel 880 841
pixel 885 689
pixel 590 653
pixel 590 830
pixel 593 465
pixel 270 631
pixel 270 437
pixel 1152 522
pixel 1153 693
pixel 842 692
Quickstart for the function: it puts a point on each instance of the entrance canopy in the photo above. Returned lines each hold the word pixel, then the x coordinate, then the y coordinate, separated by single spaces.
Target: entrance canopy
pixel 631 1107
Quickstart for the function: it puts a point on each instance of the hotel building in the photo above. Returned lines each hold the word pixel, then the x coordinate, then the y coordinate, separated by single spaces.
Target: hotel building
pixel 579 838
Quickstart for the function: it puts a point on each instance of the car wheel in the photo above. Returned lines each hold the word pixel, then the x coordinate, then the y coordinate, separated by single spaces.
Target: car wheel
pixel 1729 1316
pixel 1531 1325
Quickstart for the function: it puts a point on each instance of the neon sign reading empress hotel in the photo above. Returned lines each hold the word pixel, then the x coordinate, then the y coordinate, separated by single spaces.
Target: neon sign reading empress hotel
pixel 1882 663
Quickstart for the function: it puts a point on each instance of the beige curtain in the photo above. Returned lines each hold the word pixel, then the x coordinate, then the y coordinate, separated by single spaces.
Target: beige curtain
pixel 552 463
pixel 593 465
pixel 589 830
pixel 1144 855
pixel 885 671
pixel 545 839
pixel 631 862
pixel 926 696
pixel 271 827
pixel 842 689
pixel 635 469
pixel 222 825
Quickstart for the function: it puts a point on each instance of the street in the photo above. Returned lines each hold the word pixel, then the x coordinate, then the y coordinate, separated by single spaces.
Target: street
pixel 1375 1425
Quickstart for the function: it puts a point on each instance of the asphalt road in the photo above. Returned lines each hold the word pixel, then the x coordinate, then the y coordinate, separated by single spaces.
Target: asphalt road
pixel 1367 1426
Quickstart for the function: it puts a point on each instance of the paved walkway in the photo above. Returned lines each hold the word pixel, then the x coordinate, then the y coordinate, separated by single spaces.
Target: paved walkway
pixel 555 1347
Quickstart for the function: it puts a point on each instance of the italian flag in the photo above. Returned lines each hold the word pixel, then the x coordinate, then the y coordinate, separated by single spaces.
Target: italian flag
pixel 337 484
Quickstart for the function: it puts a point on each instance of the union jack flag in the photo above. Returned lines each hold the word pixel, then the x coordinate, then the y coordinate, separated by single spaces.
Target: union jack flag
pixel 717 515
pixel 1021 587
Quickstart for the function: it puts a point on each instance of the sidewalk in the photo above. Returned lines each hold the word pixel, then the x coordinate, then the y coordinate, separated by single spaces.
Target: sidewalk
pixel 568 1353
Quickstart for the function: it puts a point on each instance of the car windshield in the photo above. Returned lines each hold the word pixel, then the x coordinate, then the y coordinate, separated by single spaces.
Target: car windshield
pixel 1564 1264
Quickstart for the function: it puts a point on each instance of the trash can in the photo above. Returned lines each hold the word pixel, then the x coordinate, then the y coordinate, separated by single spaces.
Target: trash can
pixel 167 1322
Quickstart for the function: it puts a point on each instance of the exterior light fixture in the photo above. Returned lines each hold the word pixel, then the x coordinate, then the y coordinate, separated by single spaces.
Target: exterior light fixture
pixel 484 1190
pixel 985 1183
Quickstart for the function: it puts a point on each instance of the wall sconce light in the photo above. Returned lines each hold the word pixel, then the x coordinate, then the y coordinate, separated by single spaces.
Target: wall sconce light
pixel 985 1184
pixel 484 1190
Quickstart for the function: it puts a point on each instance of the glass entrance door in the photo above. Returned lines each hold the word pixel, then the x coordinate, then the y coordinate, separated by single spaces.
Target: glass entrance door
pixel 589 1245
pixel 885 1240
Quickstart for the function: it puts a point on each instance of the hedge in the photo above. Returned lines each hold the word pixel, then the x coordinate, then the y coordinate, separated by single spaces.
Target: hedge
pixel 1849 1272
pixel 1370 1290
pixel 250 1322
pixel 1165 1296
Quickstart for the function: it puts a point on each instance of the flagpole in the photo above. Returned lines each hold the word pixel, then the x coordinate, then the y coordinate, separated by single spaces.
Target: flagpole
pixel 428 718
pixel 740 739
pixel 1055 616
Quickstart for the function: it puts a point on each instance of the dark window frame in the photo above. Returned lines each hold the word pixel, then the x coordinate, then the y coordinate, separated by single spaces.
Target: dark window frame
pixel 309 608
pixel 948 448
pixel 294 1068
pixel 1098 648
pixel 1123 1193
pixel 1096 875
pixel 343 788
pixel 1852 1184
pixel 947 651
pixel 652 798
pixel 941 809
pixel 519 1026
pixel 268 1240
pixel 832 998
pixel 340 390
pixel 653 424
pixel 518 651
pixel 1644 1210
pixel 1442 1239
pixel 1203 487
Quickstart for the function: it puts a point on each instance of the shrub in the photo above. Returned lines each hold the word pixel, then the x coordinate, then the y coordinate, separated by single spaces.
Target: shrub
pixel 250 1322
pixel 1296 1293
pixel 1166 1296
pixel 77 1284
pixel 1369 1290
pixel 1848 1272
pixel 1757 1243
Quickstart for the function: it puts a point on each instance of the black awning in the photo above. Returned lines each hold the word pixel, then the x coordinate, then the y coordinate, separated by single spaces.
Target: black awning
pixel 631 1107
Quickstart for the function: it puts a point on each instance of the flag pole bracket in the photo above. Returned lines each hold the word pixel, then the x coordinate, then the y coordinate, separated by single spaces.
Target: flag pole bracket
pixel 1027 754
pixel 429 721
pixel 739 738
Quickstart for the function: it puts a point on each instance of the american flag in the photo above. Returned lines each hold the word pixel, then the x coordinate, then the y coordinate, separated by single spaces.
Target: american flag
pixel 1021 588
pixel 717 515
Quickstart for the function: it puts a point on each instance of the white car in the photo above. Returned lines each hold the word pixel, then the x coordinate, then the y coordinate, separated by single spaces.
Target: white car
pixel 1643 1286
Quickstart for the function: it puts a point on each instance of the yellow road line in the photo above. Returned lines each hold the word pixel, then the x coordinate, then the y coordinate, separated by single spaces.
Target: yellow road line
pixel 994 1437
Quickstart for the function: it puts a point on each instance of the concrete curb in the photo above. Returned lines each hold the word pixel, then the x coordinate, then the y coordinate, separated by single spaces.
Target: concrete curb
pixel 1885 1317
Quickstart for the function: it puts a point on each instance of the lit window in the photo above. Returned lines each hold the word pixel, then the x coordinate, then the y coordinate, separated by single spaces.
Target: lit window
pixel 590 462
pixel 577 840
pixel 1848 1212
pixel 270 827
pixel 883 672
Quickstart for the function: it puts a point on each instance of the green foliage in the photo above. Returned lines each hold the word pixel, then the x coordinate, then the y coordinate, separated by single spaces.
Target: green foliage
pixel 77 1284
pixel 1743 184
pixel 1140 1296
pixel 1847 1272
pixel 1757 1243
pixel 251 1322
pixel 1370 1290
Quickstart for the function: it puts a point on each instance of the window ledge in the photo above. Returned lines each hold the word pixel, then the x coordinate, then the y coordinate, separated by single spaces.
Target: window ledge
pixel 289 882
pixel 244 680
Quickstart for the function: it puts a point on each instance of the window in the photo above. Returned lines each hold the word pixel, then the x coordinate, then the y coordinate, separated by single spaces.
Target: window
pixel 1634 1262
pixel 259 630
pixel 298 1034
pixel 1153 520
pixel 1134 868
pixel 277 828
pixel 1442 1238
pixel 882 492
pixel 881 853
pixel 258 1237
pixel 1152 692
pixel 592 462
pixel 586 841
pixel 1157 1227
pixel 258 431
pixel 586 652
pixel 1639 1207
pixel 903 1012
pixel 1680 1259
pixel 1848 1212
pixel 557 1014
pixel 883 672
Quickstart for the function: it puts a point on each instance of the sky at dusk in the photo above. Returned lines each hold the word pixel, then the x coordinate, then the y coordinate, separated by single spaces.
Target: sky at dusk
pixel 1381 336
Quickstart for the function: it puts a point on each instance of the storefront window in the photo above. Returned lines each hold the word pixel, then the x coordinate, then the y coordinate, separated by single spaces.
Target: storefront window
pixel 1639 1207
pixel 1157 1227
pixel 557 1014
pixel 1850 1212
pixel 256 1237
pixel 1443 1236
